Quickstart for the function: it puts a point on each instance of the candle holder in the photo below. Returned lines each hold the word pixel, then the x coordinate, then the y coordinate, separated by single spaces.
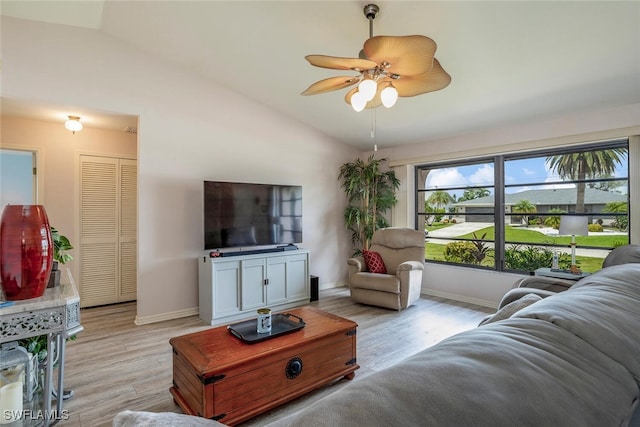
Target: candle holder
pixel 17 365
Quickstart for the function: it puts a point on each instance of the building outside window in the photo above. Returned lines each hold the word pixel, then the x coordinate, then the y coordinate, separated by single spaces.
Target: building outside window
pixel 503 212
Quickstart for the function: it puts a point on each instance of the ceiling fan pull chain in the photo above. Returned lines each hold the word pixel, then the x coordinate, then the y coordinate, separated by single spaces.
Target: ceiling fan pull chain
pixel 373 130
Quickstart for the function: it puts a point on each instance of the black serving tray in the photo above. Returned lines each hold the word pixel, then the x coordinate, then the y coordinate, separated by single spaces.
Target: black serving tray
pixel 281 324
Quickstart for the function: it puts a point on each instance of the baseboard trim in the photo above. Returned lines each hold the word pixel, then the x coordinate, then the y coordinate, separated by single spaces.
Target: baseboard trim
pixel 166 316
pixel 332 285
pixel 461 298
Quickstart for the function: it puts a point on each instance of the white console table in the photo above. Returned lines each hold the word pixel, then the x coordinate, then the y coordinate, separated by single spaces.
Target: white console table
pixel 234 287
pixel 55 314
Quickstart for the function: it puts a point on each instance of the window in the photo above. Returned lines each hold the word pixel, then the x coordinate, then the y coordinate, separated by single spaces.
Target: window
pixel 17 177
pixel 504 212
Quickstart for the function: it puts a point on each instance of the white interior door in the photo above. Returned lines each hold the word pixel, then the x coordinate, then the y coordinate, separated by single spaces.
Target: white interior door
pixel 108 244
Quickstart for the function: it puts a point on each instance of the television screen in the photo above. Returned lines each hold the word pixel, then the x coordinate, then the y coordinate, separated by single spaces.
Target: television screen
pixel 240 214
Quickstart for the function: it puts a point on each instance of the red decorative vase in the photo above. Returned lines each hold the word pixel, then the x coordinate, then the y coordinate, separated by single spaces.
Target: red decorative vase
pixel 26 251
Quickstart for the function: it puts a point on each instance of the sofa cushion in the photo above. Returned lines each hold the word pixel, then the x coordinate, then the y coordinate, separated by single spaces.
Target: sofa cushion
pixel 603 309
pixel 518 372
pixel 374 262
pixel 376 282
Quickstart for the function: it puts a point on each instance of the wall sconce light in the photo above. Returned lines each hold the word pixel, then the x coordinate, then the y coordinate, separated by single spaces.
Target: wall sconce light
pixel 73 124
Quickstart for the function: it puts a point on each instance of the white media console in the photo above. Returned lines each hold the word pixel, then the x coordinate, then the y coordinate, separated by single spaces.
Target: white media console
pixel 234 287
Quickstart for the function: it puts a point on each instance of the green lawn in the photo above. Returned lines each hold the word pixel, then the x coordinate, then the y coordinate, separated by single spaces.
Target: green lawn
pixel 531 236
pixel 437 226
pixel 434 251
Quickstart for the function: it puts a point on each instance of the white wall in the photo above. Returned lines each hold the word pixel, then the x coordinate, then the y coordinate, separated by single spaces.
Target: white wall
pixel 189 130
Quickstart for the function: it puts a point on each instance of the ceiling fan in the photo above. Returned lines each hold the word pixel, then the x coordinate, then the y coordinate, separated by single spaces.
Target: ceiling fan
pixel 388 67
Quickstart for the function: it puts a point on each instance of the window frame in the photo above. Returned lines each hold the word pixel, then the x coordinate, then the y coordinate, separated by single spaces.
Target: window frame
pixel 500 186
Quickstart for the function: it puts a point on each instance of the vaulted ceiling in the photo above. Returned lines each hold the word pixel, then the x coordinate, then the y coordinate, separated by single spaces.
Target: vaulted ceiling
pixel 510 61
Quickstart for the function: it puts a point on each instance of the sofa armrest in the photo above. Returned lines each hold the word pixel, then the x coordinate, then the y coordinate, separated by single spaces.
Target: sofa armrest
pixel 410 265
pixel 516 294
pixel 543 282
pixel 356 265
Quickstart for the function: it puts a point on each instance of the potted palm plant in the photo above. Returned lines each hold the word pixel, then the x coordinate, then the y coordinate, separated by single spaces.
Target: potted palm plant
pixel 61 245
pixel 370 188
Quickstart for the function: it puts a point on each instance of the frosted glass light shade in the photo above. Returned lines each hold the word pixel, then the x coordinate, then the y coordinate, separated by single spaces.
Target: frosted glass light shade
pixel 358 102
pixel 389 96
pixel 368 89
pixel 73 124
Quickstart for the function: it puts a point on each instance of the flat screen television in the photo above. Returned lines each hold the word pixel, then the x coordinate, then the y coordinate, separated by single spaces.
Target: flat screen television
pixel 241 214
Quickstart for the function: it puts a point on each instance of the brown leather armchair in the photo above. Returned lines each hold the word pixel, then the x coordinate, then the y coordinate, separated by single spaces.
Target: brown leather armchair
pixel 402 250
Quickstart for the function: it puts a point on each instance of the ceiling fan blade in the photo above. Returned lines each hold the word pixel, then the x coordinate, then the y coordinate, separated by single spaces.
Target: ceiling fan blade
pixel 330 84
pixel 408 55
pixel 374 103
pixel 434 79
pixel 338 63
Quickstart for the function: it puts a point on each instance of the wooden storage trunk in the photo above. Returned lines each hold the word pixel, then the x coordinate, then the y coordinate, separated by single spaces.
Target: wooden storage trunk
pixel 218 376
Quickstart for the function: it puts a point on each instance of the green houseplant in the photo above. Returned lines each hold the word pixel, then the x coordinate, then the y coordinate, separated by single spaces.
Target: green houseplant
pixel 61 245
pixel 370 188
pixel 38 345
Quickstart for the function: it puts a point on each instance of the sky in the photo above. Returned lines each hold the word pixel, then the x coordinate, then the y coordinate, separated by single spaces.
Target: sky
pixel 520 171
pixel 16 179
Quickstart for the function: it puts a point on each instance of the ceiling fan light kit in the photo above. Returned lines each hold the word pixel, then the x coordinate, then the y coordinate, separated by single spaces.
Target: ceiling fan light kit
pixel 388 67
pixel 389 96
pixel 368 88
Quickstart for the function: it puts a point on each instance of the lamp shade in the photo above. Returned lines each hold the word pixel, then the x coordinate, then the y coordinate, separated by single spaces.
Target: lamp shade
pixel 368 89
pixel 73 124
pixel 358 101
pixel 574 226
pixel 389 96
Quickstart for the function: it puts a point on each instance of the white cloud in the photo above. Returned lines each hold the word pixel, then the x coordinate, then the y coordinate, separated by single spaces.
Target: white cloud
pixel 554 177
pixel 483 176
pixel 448 177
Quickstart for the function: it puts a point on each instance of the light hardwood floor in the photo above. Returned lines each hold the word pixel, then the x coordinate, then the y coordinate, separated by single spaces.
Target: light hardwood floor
pixel 116 365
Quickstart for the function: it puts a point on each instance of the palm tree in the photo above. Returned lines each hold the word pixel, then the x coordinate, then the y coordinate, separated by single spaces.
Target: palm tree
pixel 370 192
pixel 474 193
pixel 439 199
pixel 620 222
pixel 554 221
pixel 583 165
pixel 524 207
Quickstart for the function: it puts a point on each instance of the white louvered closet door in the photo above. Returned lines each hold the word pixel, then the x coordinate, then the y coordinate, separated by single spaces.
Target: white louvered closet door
pixel 107 230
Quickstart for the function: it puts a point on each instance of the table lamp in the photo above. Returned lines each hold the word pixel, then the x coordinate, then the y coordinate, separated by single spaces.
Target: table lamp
pixel 574 226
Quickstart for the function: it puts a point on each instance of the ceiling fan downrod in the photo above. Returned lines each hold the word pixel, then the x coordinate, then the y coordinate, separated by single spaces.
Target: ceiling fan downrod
pixel 370 12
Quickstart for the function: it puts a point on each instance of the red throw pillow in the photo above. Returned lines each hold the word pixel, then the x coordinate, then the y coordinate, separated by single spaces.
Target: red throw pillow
pixel 374 262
